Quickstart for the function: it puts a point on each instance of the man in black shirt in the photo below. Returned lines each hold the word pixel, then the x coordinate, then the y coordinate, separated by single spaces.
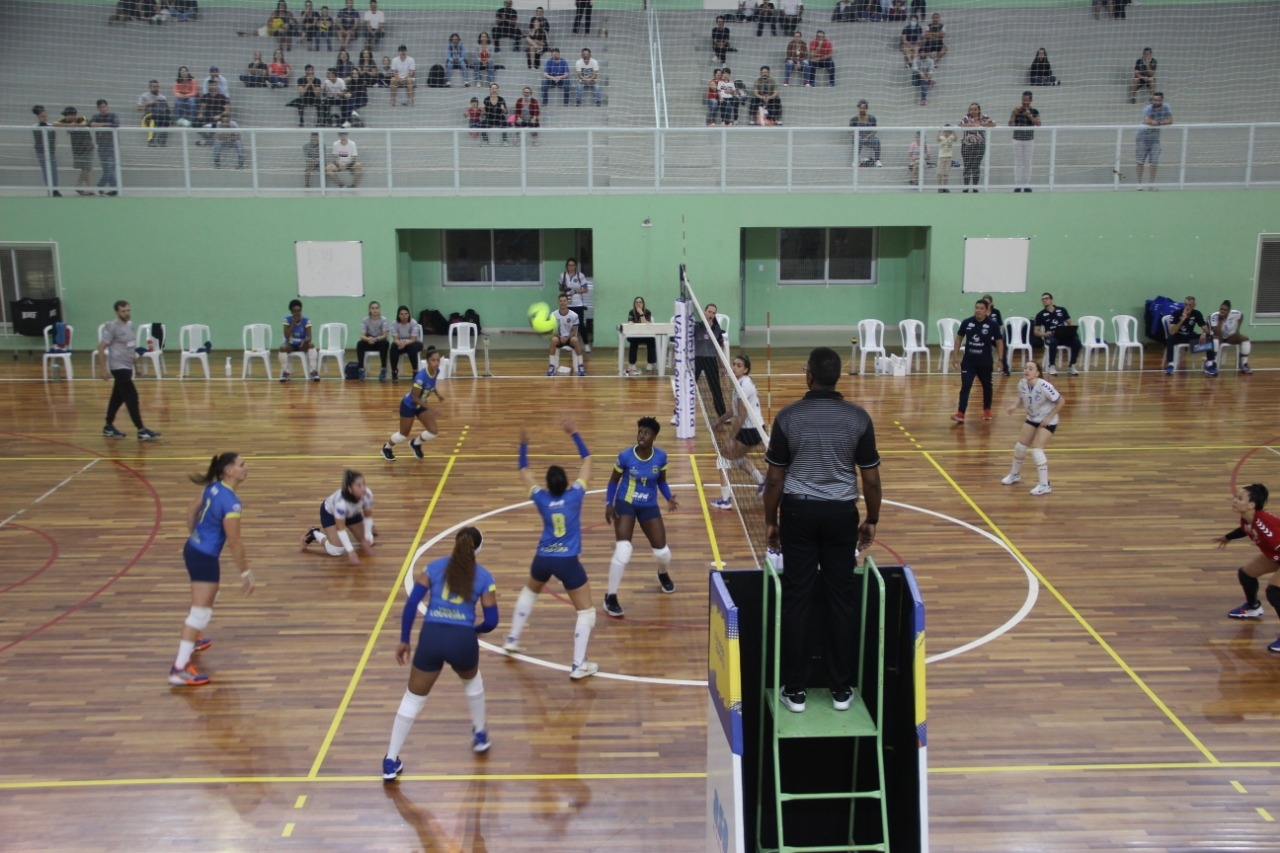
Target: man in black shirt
pixel 106 141
pixel 976 338
pixel 1053 325
pixel 1024 117
pixel 504 26
pixel 720 40
pixel 1182 330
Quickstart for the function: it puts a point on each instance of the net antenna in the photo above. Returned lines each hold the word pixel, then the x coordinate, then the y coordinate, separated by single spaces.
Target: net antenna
pixel 730 409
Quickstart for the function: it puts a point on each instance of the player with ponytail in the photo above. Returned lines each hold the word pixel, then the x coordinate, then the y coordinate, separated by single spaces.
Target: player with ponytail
pixel 349 508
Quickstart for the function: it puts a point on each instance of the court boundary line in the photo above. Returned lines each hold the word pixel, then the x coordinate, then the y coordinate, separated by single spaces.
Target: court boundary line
pixel 717 561
pixel 92 462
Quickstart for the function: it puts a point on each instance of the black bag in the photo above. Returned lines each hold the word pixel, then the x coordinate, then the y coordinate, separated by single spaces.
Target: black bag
pixel 471 316
pixel 352 370
pixel 455 317
pixel 433 322
pixel 436 78
pixel 30 316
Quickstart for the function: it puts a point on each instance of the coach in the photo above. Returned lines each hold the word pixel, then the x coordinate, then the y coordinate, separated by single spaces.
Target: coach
pixel 816 448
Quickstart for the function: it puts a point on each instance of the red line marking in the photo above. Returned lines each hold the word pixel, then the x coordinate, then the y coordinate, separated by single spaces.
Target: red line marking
pixel 53 555
pixel 1235 472
pixel 146 546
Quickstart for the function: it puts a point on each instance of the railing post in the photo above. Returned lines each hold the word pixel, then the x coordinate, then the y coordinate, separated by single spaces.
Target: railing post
pixel 1248 163
pixel 186 160
pixel 1115 169
pixel 391 183
pixel 857 157
pixel 457 165
pixel 724 159
pixel 790 156
pixel 1053 156
pixel 523 137
pixel 253 159
pixel 1182 160
pixel 591 159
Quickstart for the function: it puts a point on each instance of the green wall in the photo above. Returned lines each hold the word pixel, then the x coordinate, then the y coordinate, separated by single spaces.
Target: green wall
pixel 228 262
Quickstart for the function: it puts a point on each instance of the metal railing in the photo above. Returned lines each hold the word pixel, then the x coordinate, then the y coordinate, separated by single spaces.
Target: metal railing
pixel 443 162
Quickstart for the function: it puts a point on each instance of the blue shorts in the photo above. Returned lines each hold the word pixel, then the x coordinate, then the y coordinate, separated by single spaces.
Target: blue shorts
pixel 439 644
pixel 408 410
pixel 567 570
pixel 642 513
pixel 200 566
pixel 327 518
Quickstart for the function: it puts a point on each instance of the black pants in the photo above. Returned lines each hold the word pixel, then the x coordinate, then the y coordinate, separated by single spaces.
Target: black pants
pixel 770 18
pixel 710 365
pixel 582 18
pixel 818 545
pixel 633 349
pixel 1052 344
pixel 970 370
pixel 971 156
pixel 124 393
pixel 380 347
pixel 1174 340
pixel 411 351
pixel 581 311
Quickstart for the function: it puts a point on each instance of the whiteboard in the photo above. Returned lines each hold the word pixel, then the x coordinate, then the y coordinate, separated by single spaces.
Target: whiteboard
pixel 333 268
pixel 996 264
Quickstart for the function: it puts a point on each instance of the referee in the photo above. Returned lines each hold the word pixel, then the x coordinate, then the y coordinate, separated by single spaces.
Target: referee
pixel 816 448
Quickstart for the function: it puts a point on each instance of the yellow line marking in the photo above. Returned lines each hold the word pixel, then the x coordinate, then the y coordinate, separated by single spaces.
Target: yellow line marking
pixel 377 628
pixel 1238 787
pixel 293 780
pixel 1266 815
pixel 288 830
pixel 706 514
pixel 1076 614
pixel 301 801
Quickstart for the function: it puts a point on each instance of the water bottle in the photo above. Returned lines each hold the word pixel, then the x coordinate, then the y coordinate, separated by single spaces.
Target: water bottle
pixel 228 365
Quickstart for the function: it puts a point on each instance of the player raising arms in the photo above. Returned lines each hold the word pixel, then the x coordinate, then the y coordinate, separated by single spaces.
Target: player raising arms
pixel 560 505
pixel 1263 529
pixel 744 435
pixel 213 520
pixel 454 583
pixel 414 407
pixel 639 472
pixel 1042 402
pixel 348 507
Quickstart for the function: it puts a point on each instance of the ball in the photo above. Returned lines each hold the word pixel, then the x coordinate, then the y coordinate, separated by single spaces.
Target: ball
pixel 540 318
pixel 182 122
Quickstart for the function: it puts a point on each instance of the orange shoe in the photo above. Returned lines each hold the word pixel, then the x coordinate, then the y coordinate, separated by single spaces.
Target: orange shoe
pixel 186 677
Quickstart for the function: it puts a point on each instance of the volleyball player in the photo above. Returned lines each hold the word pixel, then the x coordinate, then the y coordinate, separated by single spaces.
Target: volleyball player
pixel 1263 529
pixel 733 452
pixel 1224 326
pixel 639 472
pixel 560 505
pixel 1042 402
pixel 213 520
pixel 350 507
pixel 297 338
pixel 454 584
pixel 413 406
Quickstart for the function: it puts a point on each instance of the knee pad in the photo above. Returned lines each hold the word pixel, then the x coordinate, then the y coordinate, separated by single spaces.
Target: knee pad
pixel 425 436
pixel 397 437
pixel 333 550
pixel 622 552
pixel 474 687
pixel 1019 450
pixel 1038 455
pixel 411 704
pixel 587 619
pixel 526 599
pixel 662 555
pixel 1246 347
pixel 1273 596
pixel 199 617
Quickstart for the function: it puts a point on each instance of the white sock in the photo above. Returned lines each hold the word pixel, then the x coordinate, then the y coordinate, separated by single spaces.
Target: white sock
pixel 1019 453
pixel 663 556
pixel 522 612
pixel 284 361
pixel 474 689
pixel 1042 465
pixel 726 492
pixel 410 706
pixel 753 470
pixel 618 565
pixel 396 438
pixel 185 648
pixel 582 634
pixel 320 537
pixel 313 358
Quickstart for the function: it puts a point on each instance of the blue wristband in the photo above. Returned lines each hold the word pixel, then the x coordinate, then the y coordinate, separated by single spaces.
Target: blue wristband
pixel 582 446
pixel 524 455
pixel 611 493
pixel 664 489
pixel 411 611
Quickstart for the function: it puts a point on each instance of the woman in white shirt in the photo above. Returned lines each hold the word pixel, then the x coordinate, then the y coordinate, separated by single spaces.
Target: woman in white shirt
pixel 1042 402
pixel 575 285
pixel 349 508
pixel 742 428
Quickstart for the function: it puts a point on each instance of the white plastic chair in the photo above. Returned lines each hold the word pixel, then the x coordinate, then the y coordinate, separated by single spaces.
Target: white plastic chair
pixel 947 328
pixel 1177 348
pixel 1092 330
pixel 1016 339
pixel 913 344
pixel 190 340
pixel 257 344
pixel 445 370
pixel 727 326
pixel 1126 335
pixel 333 344
pixel 1221 357
pixel 870 340
pixel 154 349
pixel 93 356
pixel 462 342
pixel 63 357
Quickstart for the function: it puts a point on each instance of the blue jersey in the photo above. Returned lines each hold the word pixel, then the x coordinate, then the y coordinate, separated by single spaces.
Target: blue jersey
pixel 296 331
pixel 421 380
pixel 639 485
pixel 218 503
pixel 561 520
pixel 447 608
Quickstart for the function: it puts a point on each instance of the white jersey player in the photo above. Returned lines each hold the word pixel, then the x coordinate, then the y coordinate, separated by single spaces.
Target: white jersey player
pixel 742 417
pixel 1224 326
pixel 566 334
pixel 349 508
pixel 1043 402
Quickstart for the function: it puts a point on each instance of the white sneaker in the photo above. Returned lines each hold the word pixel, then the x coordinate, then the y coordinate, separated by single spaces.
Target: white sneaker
pixel 675 421
pixel 1042 489
pixel 512 645
pixel 648 368
pixel 583 670
pixel 1010 479
pixel 879 165
pixel 1052 371
pixel 586 347
pixel 1073 371
pixel 722 503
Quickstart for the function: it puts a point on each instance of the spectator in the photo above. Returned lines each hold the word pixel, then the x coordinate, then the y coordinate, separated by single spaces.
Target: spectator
pixel 728 97
pixel 909 40
pixel 535 45
pixel 228 135
pixel 1041 73
pixel 765 107
pixel 210 108
pixel 746 11
pixel 484 59
pixel 946 153
pixel 582 16
pixel 766 13
pixel 845 11
pixel 255 76
pixel 309 95
pixel 720 41
pixel 186 94
pixel 386 73
pixel 283 26
pixel 1155 115
pixel 155 113
pixel 504 26
pixel 343 64
pixel 820 57
pixel 106 142
pixel 1023 117
pixel 1144 74
pixel 792 11
pixel 897 10
pixel 555 75
pixel 279 72
pixel 495 113
pixel 348 23
pixel 474 116
pixel 797 59
pixel 311 158
pixel 368 68
pixel 375 332
pixel 46 139
pixel 528 113
pixel 324 30
pixel 455 57
pixel 919 8
pixel 587 73
pixel 184 10
pixel 308 21
pixel 922 75
pixel 934 38
pixel 1119 9
pixel 914 151
pixel 81 147
pixel 867 146
pixel 343 157
pixel 160 13
pixel 403 69
pixel 1103 5
pixel 216 79
pixel 713 98
pixel 374 24
pixel 358 90
pixel 336 97
pixel 973 145
pixel 406 340
pixel 539 19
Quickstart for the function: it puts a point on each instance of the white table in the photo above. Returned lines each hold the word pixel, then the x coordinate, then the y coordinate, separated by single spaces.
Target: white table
pixel 660 332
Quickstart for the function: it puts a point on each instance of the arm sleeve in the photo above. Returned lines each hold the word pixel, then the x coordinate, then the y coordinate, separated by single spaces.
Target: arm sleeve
pixel 611 493
pixel 665 489
pixel 582 446
pixel 490 620
pixel 524 455
pixel 410 611
pixel 1236 533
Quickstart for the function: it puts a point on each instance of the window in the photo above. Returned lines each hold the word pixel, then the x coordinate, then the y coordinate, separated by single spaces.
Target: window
pixel 1266 299
pixel 510 257
pixel 26 271
pixel 826 256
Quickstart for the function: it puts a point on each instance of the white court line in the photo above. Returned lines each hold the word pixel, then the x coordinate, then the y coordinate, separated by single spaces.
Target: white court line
pixel 1273 450
pixel 51 491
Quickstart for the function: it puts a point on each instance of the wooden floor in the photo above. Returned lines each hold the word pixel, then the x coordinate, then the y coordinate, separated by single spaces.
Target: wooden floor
pixel 1121 711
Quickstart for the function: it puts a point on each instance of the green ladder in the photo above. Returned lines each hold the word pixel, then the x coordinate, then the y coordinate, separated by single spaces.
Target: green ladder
pixel 820 720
